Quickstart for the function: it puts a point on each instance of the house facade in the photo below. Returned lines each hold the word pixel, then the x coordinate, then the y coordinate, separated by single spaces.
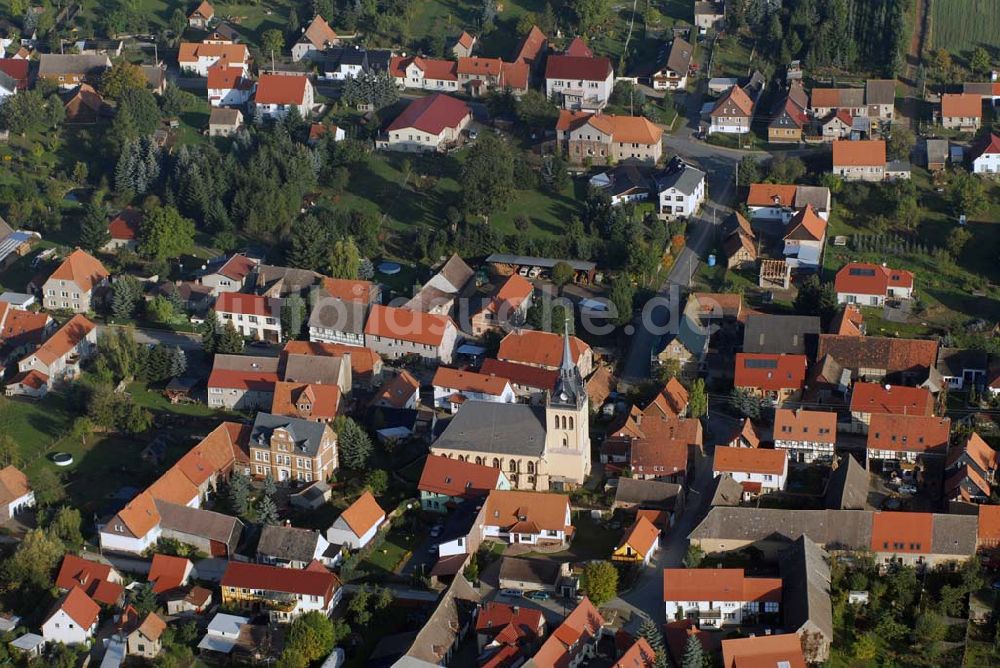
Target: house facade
pixel 673 74
pixel 358 524
pixel 427 124
pixel 453 387
pixel 680 190
pixel 868 284
pixel 733 113
pixel 862 160
pixel 757 469
pixel 396 332
pixel 285 593
pixel 986 155
pixel 527 518
pixel 961 111
pixel 447 481
pixel 242 382
pixel 253 316
pixel 74 283
pixel 607 138
pixel 73 620
pixel 718 597
pixel 579 82
pixel 291 448
pixel 276 94
pixel 806 435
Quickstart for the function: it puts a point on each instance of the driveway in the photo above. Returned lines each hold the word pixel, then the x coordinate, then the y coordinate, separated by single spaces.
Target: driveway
pixel 185 340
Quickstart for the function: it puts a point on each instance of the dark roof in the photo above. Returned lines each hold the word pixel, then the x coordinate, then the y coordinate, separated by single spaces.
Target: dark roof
pixel 679 59
pixel 495 428
pixel 306 433
pixel 456 610
pixel 198 522
pixel 726 491
pixel 805 587
pixel 288 543
pixel 350 55
pixel 844 528
pixel 953 361
pixel 880 91
pixel 624 179
pixel 577 67
pixel 539 571
pixel 896 356
pixel 543 262
pixel 791 334
pixel 848 486
pixel 647 493
pixel 679 175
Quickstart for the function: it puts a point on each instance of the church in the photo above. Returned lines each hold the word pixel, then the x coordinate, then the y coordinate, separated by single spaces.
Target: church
pixel 537 447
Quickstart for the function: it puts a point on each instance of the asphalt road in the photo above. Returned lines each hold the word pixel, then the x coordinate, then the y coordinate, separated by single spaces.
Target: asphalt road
pixel 153 336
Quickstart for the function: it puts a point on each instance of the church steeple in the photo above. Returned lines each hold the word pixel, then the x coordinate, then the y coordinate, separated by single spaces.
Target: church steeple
pixel 569 388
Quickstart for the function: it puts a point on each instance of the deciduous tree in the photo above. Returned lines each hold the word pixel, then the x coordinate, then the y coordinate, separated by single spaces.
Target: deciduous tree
pixel 122 76
pixel 488 176
pixel 345 259
pixel 600 581
pixel 165 233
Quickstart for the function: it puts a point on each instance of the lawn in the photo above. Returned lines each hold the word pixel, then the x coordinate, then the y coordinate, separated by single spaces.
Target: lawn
pixel 397 547
pixel 731 57
pixel 593 540
pixel 156 402
pixel 962 25
pixel 36 425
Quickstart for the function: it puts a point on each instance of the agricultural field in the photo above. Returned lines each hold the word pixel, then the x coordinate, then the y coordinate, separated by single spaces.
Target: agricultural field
pixel 961 25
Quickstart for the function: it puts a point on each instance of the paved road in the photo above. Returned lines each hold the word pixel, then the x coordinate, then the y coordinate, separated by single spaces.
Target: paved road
pixel 153 336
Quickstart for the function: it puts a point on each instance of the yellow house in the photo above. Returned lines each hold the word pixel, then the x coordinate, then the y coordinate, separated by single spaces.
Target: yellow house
pixel 639 543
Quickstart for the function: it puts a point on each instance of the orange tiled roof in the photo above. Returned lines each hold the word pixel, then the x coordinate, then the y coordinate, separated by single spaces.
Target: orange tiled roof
pixel 459 380
pixel 866 278
pixel 281 89
pixel 896 399
pixel 862 153
pixel 770 372
pixel 363 514
pixel 962 105
pixel 323 401
pixel 749 460
pixel 398 391
pixel 406 325
pixel 909 433
pixel 174 487
pixel 506 508
pixel 226 54
pixel 528 346
pixel 763 652
pixel 125 225
pixel 570 637
pixel 902 532
pixel 806 225
pixel 81 268
pixel 670 402
pixel 477 66
pixel 319 33
pixel 771 194
pixel 348 290
pixel 65 339
pixel 989 525
pixel 80 608
pixel 717 584
pixel 642 536
pixel 452 477
pixel 803 425
pixel 13 484
pixel 167 572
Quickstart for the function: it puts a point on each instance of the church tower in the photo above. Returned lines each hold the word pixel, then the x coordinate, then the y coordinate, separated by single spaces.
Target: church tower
pixel 567 425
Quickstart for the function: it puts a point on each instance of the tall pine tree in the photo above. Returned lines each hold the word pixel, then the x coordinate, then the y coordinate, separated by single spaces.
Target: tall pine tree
pixel 694 653
pixel 651 633
pixel 94 229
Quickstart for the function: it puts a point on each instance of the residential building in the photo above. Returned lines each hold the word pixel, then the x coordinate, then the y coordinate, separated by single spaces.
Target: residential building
pixel 961 111
pixel 21 330
pixel 228 86
pixel 253 316
pixel 880 359
pixel 201 16
pixel 71 70
pixel 507 633
pixel 315 39
pixel 709 15
pixel 972 458
pixel 579 82
pixel 680 190
pixel 348 62
pixel 673 74
pixel 223 122
pixel 532 48
pixel 782 202
pixel 446 482
pixel 142 637
pixel 806 435
pixel 99 581
pixel 718 597
pixel 277 93
pixel 784 649
pixel 757 469
pixel 986 155
pixel 308 401
pixel 574 642
pixel 530 383
pixel 83 105
pixel 167 573
pixel 788 120
pixel 334 320
pixel 661 447
pixel 223 633
pixel 439 293
pixel 428 124
pixel 532 518
pixel 870 284
pixel 805 240
pixel 242 382
pixel 806 607
pixel 880 98
pixel 453 618
pixel 849 321
pixel 16 494
pixel 400 392
pixel 75 283
pixel 688 346
pixel 862 160
pixel 638 544
pixel 396 332
pixel 72 620
pixel 527 574
pixel 771 376
pixel 740 244
pixel 57 360
pixel 838 125
pixel 285 593
pixel 623 184
pixel 426 73
pixel 358 524
pixel 124 228
pixel 825 101
pixel 869 399
pixel 936 151
pixel 463 46
pixel 13 76
pixel 545 350
pixel 607 138
pixel 507 308
pixel 196 58
pixel 291 448
pixel 960 368
pixel 453 387
pixel 365 364
pixel 732 113
pixel 907 437
pixel 746 435
pixel 476 74
pixel 292 547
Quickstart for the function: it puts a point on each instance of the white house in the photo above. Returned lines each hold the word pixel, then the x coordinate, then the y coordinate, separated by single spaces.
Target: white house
pixel 292 547
pixel 197 57
pixel 16 494
pixel 277 93
pixel 254 316
pixel 673 74
pixel 870 284
pixel 680 190
pixel 358 524
pixel 223 632
pixel 805 239
pixel 532 518
pixel 579 82
pixel 986 156
pixel 806 435
pixel 717 597
pixel 73 620
pixel 427 124
pixel 757 469
pixel 733 113
pixel 228 87
pixel 316 38
pixel 285 593
pixel 426 73
pixel 397 332
pixel 777 201
pixel 58 359
pixel 453 387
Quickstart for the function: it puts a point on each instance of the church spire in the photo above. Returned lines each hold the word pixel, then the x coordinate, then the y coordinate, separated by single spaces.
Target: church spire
pixel 569 388
pixel 567 358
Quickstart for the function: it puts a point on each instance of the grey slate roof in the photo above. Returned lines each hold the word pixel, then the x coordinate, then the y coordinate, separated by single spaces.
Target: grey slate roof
pixel 625 179
pixel 291 280
pixel 880 91
pixel 955 534
pixel 726 491
pixel 648 493
pixel 817 196
pixel 937 150
pixel 456 609
pixel 338 315
pixel 494 428
pixel 848 486
pixel 307 434
pixel 318 369
pixel 805 587
pixel 791 334
pixel 199 522
pixel 288 543
pixel 953 361
pixel 245 363
pixel 539 571
pixel 679 175
pixel 679 59
pixel 57 63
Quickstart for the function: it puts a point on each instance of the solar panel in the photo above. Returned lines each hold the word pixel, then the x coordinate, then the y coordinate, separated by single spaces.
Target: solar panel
pixel 760 364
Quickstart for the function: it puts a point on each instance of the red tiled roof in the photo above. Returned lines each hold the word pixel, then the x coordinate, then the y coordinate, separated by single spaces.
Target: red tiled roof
pixel 65 339
pixel 281 89
pixel 577 67
pixel 902 533
pixel 522 375
pixel 893 355
pixel 962 105
pixel 221 77
pixel 174 487
pixel 348 290
pixel 363 514
pixel 747 433
pixel 80 608
pixel 570 637
pixel 978 451
pixel 478 66
pixel 237 267
pixel 81 268
pixel 238 302
pixel 406 325
pixel 529 346
pixel 260 381
pixel 639 655
pixel 862 153
pixel 323 401
pixel 770 371
pixel 989 525
pixel 167 572
pixel 642 536
pixel 849 321
pixel 516 75
pixel 988 144
pixel 466 40
pixel 432 114
pixel 806 225
pixel 398 390
pixel 92 577
pixel 204 10
pixel 285 580
pixel 17 69
pixel 125 226
pixel 865 278
pixel 451 477
pixel 771 194
pixel 506 508
pixel 578 47
pixel 190 52
pixel 17 325
pixel 783 650
pixel 897 399
pixel 435 69
pixel 531 46
pixel 457 379
pixel 749 460
pixel 718 584
pixel 909 433
pixel 803 425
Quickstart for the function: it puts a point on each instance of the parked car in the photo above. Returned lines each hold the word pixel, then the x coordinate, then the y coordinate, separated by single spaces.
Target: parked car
pixel 512 593
pixel 538 595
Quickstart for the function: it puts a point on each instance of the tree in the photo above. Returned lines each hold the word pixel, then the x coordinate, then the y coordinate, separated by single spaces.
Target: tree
pixel 144 601
pixel 308 245
pixel 654 637
pixel 239 493
pixel 866 647
pixel 345 259
pixel 815 298
pixel 312 634
pixel 749 171
pixel 94 229
pixel 968 195
pixel 29 570
pixel 23 113
pixel 901 143
pixel 562 274
pixel 600 581
pixel 272 41
pixel 122 76
pixel 165 233
pixel 370 88
pixel 359 606
pixel 293 316
pixel 941 60
pixel 178 23
pixel 377 482
pixel 354 445
pixel 957 240
pixel 210 332
pixel 137 116
pixel 267 511
pixel 622 295
pixel 535 110
pixel 138 166
pixel 9 453
pixel 229 341
pixel 980 61
pixel 555 176
pixel 745 403
pixel 471 570
pixel 66 527
pixel 125 295
pixel 55 111
pixel 694 556
pixel 786 170
pixel 487 176
pixel 160 310
pixel 693 653
pixel 591 14
pixel 270 487
pixel 698 399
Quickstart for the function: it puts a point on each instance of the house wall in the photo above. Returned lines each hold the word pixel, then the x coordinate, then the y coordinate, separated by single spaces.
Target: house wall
pixel 279 111
pixel 304 49
pixel 239 399
pixel 667 79
pixel 731 612
pixel 804 451
pixel 860 173
pixel 414 140
pixel 67 295
pixel 342 534
pixel 201 66
pixel 329 335
pixel 396 348
pixel 961 122
pixel 730 125
pixel 228 97
pixel 863 300
pixel 117 543
pixel 285 464
pixel 835 129
pixel 441 395
pixel 62 369
pixel 768 481
pixel 219 283
pixel 987 163
pixel 674 204
pixel 17 505
pixel 61 628
pixel 244 599
pixel 779 135
pixel 257 327
pixel 140 645
pixel 576 94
